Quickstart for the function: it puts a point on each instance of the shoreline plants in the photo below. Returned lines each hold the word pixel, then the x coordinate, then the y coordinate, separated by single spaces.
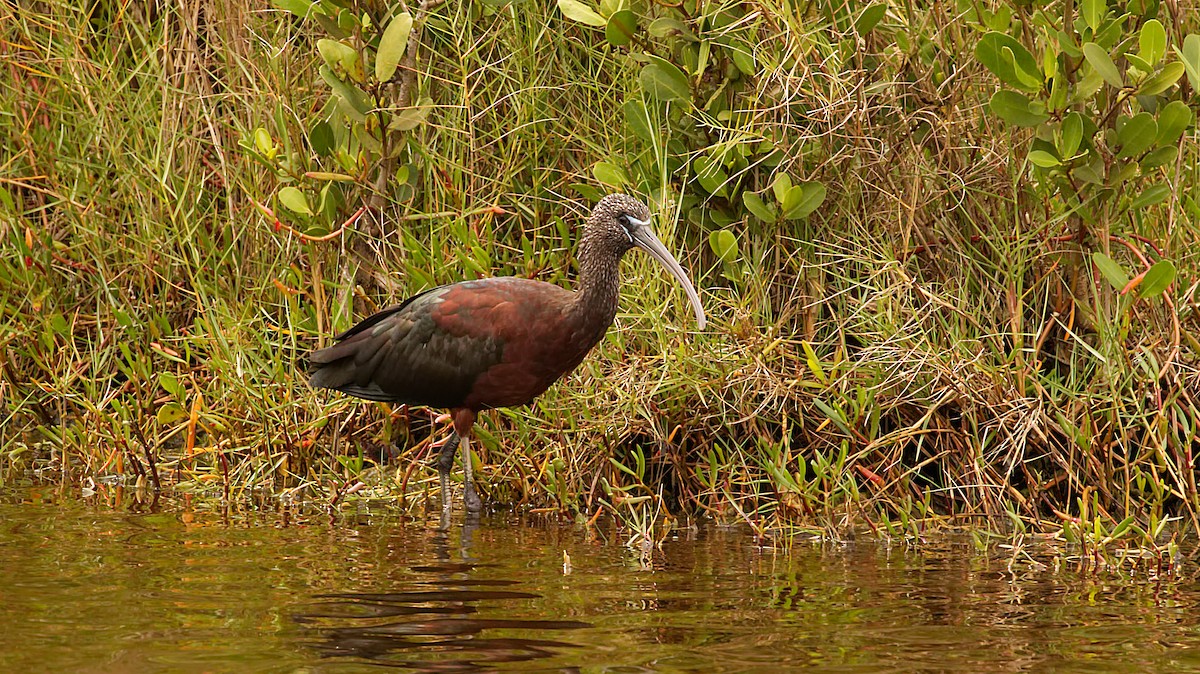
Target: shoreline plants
pixel 951 252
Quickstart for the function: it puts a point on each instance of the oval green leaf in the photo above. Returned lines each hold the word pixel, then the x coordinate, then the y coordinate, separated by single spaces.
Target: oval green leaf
pixel 1043 159
pixel 1100 61
pixel 1157 278
pixel 1072 135
pixel 620 28
pixel 1190 56
pixel 802 200
pixel 637 118
pixel 577 11
pixel 869 18
pixel 758 207
pixel 1009 61
pixel 1173 119
pixel 357 105
pixel 1136 135
pixel 724 245
pixel 1152 41
pixel 1013 108
pixel 294 200
pixel 1162 80
pixel 410 118
pixel 1151 196
pixel 610 174
pixel 1111 270
pixel 661 80
pixel 392 46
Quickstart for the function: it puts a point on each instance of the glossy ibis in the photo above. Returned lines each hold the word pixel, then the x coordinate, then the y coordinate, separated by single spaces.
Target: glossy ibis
pixel 496 342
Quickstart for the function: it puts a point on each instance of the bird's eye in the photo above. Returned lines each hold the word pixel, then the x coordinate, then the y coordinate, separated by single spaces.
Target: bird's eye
pixel 624 220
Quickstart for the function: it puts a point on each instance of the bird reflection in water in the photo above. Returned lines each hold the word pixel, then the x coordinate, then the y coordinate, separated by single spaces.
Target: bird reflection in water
pixel 432 624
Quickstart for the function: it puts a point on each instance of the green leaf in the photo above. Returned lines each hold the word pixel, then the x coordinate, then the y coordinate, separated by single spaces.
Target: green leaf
pixel 321 138
pixel 587 191
pixel 1153 195
pixel 1152 41
pixel 357 105
pixel 410 118
pixel 335 54
pixel 710 175
pixel 1111 270
pixel 577 11
pixel 1162 80
pixel 392 46
pixel 1009 61
pixel 610 174
pixel 1136 135
pixel 1173 119
pixel 802 200
pixel 1072 135
pixel 1102 64
pixel 1014 109
pixel 869 18
pixel 263 142
pixel 170 384
pixel 294 200
pixel 758 207
pixel 171 413
pixel 1094 12
pixel 665 26
pixel 300 8
pixel 638 120
pixel 1043 159
pixel 1157 278
pixel 620 28
pixel 1190 56
pixel 743 58
pixel 1160 157
pixel 724 244
pixel 781 186
pixel 661 80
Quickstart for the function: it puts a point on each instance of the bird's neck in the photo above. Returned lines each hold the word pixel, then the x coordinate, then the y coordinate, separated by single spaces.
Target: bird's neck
pixel 598 286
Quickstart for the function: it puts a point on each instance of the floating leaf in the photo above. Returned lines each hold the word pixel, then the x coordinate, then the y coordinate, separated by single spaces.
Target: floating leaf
pixel 1155 194
pixel 1043 159
pixel 392 46
pixel 758 207
pixel 1102 64
pixel 610 174
pixel 410 118
pixel 1136 135
pixel 294 200
pixel 1157 278
pixel 577 11
pixel 869 18
pixel 1152 41
pixel 638 120
pixel 724 244
pixel 1009 61
pixel 1111 270
pixel 1173 119
pixel 1162 80
pixel 620 28
pixel 660 79
pixel 1014 108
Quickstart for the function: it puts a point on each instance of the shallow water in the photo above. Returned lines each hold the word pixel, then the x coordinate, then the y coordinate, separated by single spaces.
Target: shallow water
pixel 90 588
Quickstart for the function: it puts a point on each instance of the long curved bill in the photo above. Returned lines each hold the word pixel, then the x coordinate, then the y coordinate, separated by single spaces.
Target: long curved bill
pixel 644 238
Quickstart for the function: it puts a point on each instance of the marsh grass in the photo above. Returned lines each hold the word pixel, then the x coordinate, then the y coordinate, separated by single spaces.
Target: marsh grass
pixel 906 357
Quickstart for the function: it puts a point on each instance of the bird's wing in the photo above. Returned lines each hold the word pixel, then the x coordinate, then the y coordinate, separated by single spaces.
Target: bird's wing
pixel 401 355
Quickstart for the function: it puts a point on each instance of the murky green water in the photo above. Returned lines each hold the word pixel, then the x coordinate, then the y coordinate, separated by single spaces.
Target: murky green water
pixel 91 589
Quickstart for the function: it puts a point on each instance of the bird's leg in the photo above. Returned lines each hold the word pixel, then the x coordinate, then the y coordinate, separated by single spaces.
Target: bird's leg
pixel 445 462
pixel 464 419
pixel 470 496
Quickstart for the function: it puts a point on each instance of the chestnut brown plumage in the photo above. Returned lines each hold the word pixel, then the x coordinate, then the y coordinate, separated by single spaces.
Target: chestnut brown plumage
pixel 497 342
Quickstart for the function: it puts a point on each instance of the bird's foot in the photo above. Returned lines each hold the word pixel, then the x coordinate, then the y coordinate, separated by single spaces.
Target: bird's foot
pixel 471 499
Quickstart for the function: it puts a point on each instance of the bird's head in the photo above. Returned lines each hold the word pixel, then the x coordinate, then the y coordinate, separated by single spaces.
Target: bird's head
pixel 621 222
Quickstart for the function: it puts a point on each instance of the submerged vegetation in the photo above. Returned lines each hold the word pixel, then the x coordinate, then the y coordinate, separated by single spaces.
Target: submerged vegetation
pixel 950 253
